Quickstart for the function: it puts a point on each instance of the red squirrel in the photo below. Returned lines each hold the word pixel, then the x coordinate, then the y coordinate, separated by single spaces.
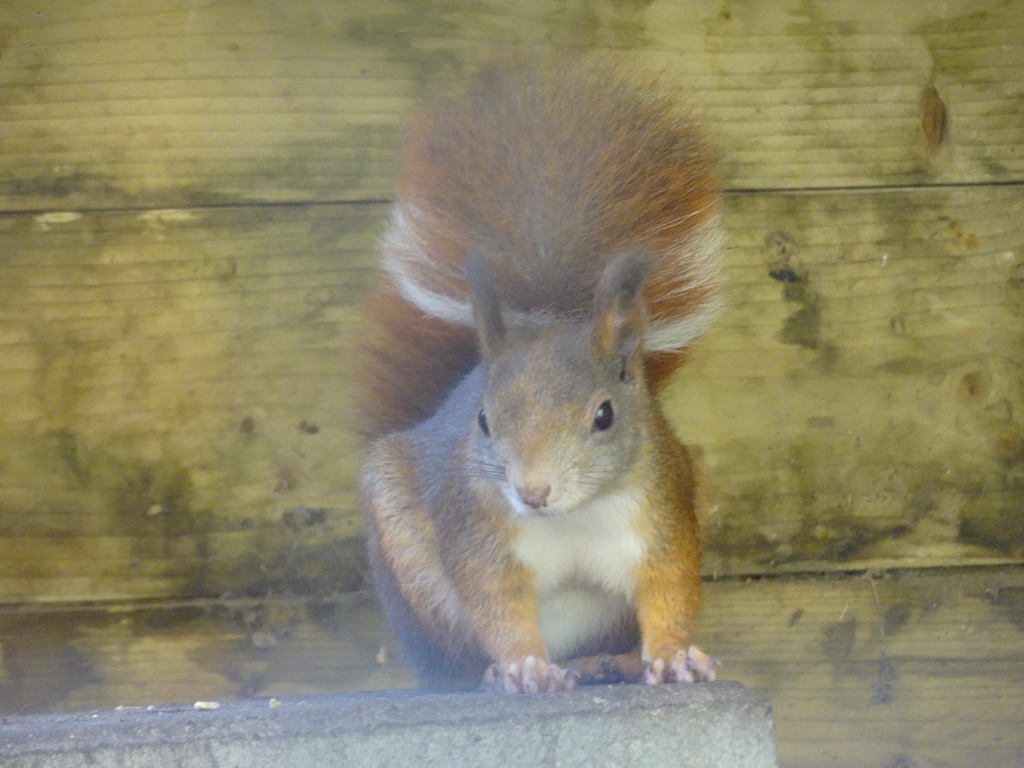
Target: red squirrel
pixel 550 259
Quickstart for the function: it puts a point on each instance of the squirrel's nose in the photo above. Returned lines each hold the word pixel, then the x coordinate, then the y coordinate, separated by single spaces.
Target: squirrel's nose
pixel 535 496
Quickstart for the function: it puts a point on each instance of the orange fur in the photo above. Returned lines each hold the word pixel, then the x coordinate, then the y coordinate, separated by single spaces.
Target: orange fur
pixel 548 187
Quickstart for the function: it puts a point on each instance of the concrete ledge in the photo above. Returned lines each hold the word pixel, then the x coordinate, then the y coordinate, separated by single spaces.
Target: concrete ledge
pixel 710 724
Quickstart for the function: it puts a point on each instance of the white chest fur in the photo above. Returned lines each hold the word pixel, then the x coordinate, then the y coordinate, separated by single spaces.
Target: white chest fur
pixel 583 563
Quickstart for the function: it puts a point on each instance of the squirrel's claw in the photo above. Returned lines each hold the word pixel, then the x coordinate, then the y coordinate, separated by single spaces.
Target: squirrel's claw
pixel 532 675
pixel 702 666
pixel 689 666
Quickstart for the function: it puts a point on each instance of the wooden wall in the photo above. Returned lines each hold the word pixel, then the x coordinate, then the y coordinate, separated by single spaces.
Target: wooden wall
pixel 190 197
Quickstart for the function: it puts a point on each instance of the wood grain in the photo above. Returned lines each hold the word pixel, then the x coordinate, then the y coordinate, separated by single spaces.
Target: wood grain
pixel 175 416
pixel 908 668
pixel 859 400
pixel 183 104
pixel 921 668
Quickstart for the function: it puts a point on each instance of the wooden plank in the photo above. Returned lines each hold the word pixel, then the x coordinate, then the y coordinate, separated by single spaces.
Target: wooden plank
pixel 907 668
pixel 99 657
pixel 175 420
pixel 172 104
pixel 859 401
pixel 175 404
pixel 922 668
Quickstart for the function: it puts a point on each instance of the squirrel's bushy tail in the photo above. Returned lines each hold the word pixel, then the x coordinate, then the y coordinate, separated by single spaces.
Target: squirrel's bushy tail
pixel 547 171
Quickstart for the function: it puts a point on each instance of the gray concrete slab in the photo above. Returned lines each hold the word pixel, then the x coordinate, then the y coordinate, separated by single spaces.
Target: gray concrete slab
pixel 709 724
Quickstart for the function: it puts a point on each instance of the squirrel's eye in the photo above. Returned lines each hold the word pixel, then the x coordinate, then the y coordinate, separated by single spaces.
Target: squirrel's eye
pixel 481 419
pixel 604 416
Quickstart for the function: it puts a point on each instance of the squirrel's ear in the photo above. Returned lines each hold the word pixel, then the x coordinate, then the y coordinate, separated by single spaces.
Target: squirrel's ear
pixel 620 316
pixel 483 297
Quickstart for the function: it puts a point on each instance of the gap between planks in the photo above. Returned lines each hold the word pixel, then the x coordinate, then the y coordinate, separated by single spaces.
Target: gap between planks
pixel 736 191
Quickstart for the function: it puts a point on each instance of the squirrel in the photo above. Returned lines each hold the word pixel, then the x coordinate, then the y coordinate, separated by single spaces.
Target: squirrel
pixel 550 259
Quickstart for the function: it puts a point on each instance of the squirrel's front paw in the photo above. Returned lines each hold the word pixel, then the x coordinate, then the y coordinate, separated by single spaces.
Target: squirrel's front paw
pixel 686 666
pixel 531 675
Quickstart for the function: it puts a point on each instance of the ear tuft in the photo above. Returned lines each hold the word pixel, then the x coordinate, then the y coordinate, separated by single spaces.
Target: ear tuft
pixel 483 297
pixel 620 315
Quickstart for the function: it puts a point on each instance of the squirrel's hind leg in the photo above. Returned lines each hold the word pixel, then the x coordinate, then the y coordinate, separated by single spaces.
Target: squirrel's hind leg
pixel 418 598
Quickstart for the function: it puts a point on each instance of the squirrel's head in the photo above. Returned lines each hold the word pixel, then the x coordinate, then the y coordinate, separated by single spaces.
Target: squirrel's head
pixel 565 410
